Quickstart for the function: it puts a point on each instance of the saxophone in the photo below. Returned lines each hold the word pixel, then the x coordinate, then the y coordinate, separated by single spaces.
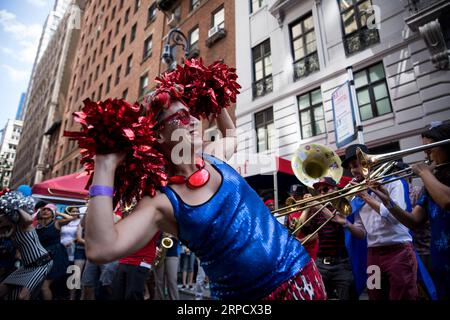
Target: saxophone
pixel 166 243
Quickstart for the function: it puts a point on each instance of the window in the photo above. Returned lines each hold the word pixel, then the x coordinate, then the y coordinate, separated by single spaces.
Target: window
pixel 193 37
pixel 137 4
pixel 106 23
pixel 218 19
pixel 117 27
pixel 90 80
pixel 125 94
pixel 194 4
pixel 304 48
pixel 312 118
pixel 143 83
pixel 109 37
pixel 262 69
pixel 94 56
pixel 101 46
pixel 127 16
pixel 372 92
pixel 108 84
pixel 255 5
pixel 151 14
pixel 97 71
pixel 147 47
pixel 118 71
pixel 121 4
pixel 265 130
pixel 113 54
pixel 354 16
pixel 122 43
pixel 129 64
pixel 113 14
pixel 105 59
pixel 133 32
pixel 99 94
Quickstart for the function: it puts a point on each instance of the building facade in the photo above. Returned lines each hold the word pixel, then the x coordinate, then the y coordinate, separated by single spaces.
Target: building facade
pixel 294 54
pixel 46 101
pixel 8 146
pixel 120 49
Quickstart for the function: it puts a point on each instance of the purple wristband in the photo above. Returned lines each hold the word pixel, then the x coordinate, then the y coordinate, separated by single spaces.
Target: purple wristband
pixel 98 190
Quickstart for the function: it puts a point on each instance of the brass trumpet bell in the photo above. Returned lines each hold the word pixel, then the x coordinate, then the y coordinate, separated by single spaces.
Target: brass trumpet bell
pixel 314 161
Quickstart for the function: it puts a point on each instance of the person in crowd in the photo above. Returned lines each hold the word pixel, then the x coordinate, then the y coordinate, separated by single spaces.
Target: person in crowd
pixel 99 275
pixel 270 204
pixel 206 204
pixel 7 255
pixel 16 224
pixel 300 192
pixel 166 273
pixel 433 205
pixel 389 242
pixel 200 282
pixel 80 252
pixel 187 268
pixel 133 272
pixel 332 257
pixel 69 232
pixel 49 232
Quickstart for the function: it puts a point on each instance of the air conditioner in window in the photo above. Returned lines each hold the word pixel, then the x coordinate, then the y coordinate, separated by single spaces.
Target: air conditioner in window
pixel 213 31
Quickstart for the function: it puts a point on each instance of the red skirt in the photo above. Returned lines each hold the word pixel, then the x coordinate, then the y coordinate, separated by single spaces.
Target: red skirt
pixel 305 285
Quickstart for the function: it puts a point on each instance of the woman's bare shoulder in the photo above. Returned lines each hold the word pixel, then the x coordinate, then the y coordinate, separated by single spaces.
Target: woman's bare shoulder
pixel 159 203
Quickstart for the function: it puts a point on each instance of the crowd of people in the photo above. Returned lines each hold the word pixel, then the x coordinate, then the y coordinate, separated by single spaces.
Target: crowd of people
pixel 58 242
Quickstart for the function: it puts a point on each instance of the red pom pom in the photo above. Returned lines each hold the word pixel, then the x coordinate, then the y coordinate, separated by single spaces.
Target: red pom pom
pixel 112 126
pixel 205 90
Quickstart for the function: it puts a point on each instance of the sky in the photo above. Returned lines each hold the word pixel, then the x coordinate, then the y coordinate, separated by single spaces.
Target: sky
pixel 21 24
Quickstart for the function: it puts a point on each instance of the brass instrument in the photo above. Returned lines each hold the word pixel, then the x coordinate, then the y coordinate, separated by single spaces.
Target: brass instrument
pixel 69 208
pixel 166 243
pixel 368 161
pixel 310 168
pixel 314 161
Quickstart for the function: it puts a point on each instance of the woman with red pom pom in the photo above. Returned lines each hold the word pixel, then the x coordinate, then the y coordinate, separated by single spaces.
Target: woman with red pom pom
pixel 245 251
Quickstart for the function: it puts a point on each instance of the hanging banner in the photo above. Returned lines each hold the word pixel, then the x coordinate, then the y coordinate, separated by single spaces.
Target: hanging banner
pixel 343 116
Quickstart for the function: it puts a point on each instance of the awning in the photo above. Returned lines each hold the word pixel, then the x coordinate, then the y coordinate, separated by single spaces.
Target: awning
pixel 70 186
pixel 248 165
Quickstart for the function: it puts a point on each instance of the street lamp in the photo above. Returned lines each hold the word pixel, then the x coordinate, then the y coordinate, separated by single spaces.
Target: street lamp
pixel 175 38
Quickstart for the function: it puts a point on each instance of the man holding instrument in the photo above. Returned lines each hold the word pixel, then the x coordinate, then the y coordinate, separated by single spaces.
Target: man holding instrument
pixel 389 242
pixel 332 257
pixel 432 206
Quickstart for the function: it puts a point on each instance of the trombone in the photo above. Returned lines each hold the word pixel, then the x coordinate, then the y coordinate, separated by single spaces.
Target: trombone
pixel 368 161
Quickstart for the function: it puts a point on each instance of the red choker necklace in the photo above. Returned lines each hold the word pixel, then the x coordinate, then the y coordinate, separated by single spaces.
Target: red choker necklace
pixel 196 180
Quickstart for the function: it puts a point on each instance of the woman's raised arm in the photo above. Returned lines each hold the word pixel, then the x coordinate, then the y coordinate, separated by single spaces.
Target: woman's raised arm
pixel 105 240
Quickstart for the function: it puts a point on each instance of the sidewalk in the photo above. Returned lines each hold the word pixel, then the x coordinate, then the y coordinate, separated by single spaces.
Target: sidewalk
pixel 191 292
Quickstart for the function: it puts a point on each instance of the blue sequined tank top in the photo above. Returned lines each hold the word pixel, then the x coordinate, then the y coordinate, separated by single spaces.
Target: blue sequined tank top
pixel 243 249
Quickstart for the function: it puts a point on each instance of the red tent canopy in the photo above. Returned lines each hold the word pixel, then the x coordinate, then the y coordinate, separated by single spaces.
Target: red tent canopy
pixel 70 186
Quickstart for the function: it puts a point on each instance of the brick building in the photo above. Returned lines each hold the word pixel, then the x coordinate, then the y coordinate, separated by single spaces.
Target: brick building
pixel 45 100
pixel 120 48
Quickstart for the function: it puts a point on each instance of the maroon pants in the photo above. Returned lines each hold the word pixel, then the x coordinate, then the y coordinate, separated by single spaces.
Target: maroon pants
pixel 398 266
